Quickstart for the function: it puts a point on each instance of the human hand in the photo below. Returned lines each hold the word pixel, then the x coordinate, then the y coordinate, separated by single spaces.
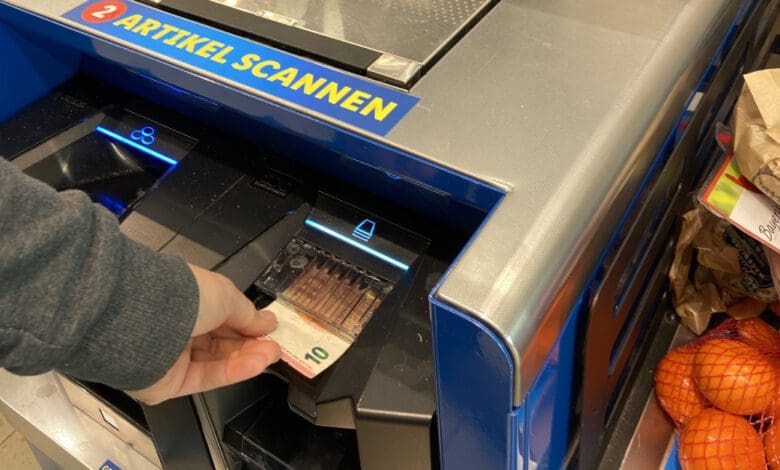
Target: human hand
pixel 223 349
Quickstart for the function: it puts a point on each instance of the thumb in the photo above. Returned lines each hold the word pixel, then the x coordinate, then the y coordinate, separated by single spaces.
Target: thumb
pixel 221 303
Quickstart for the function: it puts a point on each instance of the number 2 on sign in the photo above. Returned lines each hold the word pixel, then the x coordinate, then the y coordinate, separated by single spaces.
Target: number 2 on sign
pixel 101 12
pixel 107 10
pixel 317 355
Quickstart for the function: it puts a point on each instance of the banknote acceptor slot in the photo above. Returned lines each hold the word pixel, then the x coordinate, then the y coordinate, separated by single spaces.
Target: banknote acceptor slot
pixel 341 266
pixel 355 277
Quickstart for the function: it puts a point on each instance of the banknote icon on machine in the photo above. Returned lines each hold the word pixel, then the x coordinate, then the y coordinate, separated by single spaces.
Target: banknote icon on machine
pixel 364 230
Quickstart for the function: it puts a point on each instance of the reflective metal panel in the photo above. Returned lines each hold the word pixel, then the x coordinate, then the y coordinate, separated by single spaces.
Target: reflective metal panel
pixel 39 409
pixel 412 29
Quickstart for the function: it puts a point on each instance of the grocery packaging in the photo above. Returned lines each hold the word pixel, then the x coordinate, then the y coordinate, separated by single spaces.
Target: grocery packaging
pixel 756 125
pixel 717 268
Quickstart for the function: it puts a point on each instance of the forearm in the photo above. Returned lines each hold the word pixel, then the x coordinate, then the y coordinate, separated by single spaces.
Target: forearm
pixel 78 296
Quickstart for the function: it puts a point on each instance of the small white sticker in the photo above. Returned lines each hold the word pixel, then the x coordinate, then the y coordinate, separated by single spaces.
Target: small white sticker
pixel 109 419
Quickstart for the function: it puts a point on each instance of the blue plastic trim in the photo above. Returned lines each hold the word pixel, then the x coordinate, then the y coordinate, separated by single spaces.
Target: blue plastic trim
pixel 673 462
pixel 499 422
pixel 517 454
pixel 367 249
pixel 474 393
pixel 548 402
pixel 30 70
pixel 137 146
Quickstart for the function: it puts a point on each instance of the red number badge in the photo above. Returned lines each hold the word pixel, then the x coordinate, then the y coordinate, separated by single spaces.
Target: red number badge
pixel 102 12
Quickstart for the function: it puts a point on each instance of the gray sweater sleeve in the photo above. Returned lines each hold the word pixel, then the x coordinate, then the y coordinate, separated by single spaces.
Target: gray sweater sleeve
pixel 78 296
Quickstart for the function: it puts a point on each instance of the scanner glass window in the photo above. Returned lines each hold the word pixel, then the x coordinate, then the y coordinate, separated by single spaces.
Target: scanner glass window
pixel 111 173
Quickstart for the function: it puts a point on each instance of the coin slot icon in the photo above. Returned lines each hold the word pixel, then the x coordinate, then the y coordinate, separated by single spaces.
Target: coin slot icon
pixel 145 135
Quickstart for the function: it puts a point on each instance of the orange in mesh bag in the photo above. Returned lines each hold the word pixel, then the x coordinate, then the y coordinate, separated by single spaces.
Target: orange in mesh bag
pixel 772 446
pixel 675 387
pixel 735 377
pixel 757 333
pixel 718 440
pixel 762 337
pixel 736 369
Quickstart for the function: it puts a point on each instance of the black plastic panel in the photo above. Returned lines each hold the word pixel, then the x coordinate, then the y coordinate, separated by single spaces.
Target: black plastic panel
pixel 290 442
pixel 110 173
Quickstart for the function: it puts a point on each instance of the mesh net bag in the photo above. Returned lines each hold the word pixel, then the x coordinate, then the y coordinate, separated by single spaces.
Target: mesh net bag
pixel 723 392
pixel 675 387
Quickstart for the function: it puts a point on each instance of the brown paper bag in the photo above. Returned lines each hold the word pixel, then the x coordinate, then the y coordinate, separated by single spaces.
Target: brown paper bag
pixel 716 266
pixel 757 131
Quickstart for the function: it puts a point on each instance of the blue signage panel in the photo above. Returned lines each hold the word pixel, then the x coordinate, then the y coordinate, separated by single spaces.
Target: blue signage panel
pixel 109 465
pixel 347 98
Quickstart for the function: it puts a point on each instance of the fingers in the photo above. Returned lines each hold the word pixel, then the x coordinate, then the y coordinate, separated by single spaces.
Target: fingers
pixel 248 360
pixel 222 304
pixel 254 324
pixel 213 348
pixel 224 349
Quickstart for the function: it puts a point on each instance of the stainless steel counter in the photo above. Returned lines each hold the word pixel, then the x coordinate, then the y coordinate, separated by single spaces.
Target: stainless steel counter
pixel 40 410
pixel 411 29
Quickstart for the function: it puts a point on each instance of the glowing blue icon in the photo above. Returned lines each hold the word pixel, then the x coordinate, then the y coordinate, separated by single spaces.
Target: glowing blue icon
pixel 145 135
pixel 134 144
pixel 364 230
pixel 349 241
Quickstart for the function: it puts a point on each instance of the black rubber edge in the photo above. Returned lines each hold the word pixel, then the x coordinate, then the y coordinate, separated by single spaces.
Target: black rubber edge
pixel 350 57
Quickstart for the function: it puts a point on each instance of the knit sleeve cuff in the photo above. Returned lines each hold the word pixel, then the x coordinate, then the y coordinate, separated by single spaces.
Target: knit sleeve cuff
pixel 146 326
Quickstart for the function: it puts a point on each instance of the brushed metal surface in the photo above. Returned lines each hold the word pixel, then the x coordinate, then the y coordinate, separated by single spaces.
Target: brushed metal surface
pixel 565 104
pixel 413 29
pixel 111 421
pixel 39 409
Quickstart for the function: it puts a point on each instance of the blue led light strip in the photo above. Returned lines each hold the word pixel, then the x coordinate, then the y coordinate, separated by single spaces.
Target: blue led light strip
pixel 136 145
pixel 359 246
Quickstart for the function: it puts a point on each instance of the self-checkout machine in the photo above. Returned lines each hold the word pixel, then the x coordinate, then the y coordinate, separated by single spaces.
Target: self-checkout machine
pixel 476 196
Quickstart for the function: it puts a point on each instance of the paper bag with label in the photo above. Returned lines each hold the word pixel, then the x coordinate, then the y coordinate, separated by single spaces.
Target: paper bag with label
pixel 717 268
pixel 731 196
pixel 757 131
